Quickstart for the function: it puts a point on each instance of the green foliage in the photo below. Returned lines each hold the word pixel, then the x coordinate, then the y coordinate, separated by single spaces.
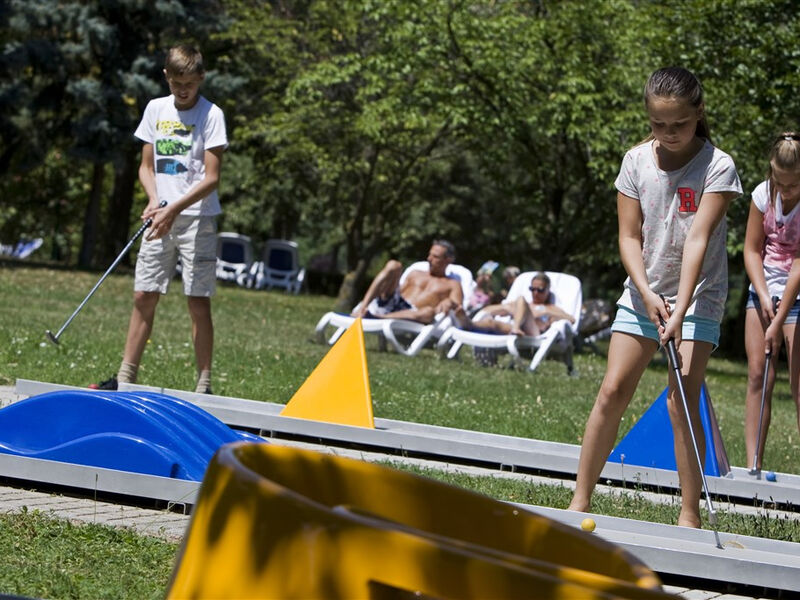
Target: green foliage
pixel 74 80
pixel 51 208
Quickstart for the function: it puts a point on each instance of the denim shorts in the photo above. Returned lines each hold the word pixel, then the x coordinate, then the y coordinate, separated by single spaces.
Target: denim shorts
pixel 791 319
pixel 697 329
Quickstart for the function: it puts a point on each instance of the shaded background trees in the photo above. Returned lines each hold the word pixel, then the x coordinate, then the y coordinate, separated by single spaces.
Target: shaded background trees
pixel 364 129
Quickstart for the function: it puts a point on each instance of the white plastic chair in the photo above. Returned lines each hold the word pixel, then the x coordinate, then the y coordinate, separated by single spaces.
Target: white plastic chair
pixel 279 267
pixel 234 257
pixel 398 331
pixel 557 341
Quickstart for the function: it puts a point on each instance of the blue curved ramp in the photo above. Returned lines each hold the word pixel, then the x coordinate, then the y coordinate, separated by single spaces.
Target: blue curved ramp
pixel 142 432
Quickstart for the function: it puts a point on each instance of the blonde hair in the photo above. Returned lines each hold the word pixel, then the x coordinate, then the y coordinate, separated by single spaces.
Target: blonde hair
pixel 184 60
pixel 677 82
pixel 784 154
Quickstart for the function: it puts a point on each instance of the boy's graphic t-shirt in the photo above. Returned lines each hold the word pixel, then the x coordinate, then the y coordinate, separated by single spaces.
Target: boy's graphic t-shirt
pixel 180 139
pixel 669 201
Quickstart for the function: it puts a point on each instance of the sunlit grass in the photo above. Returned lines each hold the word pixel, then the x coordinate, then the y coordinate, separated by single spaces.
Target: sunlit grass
pixel 263 352
pixel 44 557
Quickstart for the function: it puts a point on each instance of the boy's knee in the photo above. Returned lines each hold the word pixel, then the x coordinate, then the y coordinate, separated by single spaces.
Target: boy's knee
pixel 199 306
pixel 145 300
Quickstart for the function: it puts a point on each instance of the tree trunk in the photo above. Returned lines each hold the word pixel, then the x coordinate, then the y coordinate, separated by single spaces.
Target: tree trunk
pixel 91 216
pixel 119 208
pixel 352 287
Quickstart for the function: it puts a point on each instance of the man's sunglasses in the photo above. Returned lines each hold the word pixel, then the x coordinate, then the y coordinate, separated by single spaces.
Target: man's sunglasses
pixel 541 290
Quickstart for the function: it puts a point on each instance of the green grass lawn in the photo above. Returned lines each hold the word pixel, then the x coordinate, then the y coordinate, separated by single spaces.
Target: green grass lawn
pixel 263 351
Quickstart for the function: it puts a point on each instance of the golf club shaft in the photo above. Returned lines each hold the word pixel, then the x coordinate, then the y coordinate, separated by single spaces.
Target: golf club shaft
pixel 673 357
pixel 121 255
pixel 755 466
pixel 672 351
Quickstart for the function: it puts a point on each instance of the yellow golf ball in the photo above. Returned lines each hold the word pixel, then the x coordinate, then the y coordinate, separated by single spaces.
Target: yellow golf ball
pixel 588 524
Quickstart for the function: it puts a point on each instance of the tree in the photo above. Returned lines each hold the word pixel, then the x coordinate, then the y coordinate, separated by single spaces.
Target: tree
pixel 76 76
pixel 354 129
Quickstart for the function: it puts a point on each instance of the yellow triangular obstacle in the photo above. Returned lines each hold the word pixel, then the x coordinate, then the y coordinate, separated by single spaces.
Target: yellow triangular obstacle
pixel 337 391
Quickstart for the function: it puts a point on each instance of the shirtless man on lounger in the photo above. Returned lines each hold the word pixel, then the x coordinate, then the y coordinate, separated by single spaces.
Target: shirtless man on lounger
pixel 422 295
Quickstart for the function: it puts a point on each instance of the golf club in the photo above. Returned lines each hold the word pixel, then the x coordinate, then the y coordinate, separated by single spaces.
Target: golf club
pixel 54 337
pixel 672 351
pixel 755 469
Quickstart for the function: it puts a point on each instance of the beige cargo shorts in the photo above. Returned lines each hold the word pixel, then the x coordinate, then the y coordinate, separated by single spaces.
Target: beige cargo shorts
pixel 193 240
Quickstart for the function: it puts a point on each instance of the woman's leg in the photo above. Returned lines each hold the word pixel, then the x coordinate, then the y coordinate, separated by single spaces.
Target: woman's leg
pixel 628 356
pixel 524 323
pixel 792 335
pixel 754 328
pixel 694 358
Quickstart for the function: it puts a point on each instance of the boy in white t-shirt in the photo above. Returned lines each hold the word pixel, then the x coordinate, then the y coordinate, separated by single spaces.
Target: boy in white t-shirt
pixel 184 137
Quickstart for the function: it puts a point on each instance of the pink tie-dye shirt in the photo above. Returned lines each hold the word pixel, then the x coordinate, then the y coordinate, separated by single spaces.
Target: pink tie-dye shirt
pixel 781 238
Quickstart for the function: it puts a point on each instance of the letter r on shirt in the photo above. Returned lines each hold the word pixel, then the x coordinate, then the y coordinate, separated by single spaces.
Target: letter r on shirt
pixel 686 200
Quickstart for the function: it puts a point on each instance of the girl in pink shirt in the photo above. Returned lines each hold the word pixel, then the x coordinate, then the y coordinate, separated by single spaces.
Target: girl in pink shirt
pixel 772 241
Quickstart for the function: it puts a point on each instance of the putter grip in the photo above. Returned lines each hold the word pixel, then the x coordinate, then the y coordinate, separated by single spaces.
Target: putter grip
pixel 673 353
pixel 149 221
pixel 671 349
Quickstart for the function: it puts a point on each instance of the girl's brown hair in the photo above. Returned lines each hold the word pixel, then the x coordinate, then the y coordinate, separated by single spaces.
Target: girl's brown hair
pixel 784 154
pixel 677 82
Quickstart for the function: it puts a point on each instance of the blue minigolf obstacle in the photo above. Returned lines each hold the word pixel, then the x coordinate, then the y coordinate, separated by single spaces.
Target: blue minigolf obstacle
pixel 142 432
pixel 650 443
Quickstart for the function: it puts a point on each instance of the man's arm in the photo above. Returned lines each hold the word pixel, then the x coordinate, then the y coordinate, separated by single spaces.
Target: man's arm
pixel 454 299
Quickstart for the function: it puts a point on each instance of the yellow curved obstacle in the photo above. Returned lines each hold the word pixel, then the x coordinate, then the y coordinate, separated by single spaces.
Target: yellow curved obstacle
pixel 278 522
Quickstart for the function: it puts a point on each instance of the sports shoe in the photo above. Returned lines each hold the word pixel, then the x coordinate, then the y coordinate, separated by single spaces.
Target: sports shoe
pixel 108 384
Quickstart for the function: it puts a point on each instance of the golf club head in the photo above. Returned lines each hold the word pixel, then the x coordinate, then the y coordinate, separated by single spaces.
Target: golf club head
pixel 51 337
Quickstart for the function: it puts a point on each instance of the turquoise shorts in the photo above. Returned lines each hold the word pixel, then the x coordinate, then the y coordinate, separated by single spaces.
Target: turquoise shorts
pixel 697 329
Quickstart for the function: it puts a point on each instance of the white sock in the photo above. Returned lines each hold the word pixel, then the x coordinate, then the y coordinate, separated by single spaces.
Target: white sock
pixel 127 372
pixel 203 382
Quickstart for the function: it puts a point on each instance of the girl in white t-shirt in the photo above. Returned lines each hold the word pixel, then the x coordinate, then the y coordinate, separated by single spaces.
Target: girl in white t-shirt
pixel 673 192
pixel 771 242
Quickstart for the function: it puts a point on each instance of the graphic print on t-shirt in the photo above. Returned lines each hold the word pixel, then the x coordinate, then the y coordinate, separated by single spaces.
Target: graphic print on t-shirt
pixel 174 139
pixel 686 198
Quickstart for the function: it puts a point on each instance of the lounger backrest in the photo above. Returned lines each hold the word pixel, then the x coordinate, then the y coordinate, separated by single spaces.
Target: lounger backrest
pixel 566 290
